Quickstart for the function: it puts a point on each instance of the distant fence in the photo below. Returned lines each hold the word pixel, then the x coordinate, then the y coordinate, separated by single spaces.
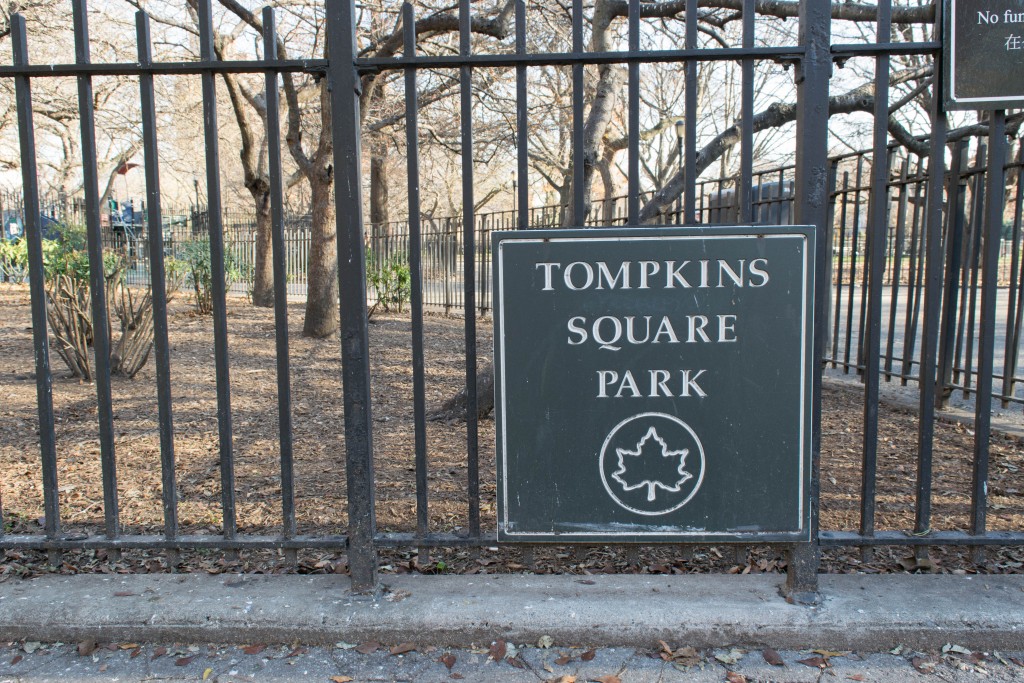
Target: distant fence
pixel 772 200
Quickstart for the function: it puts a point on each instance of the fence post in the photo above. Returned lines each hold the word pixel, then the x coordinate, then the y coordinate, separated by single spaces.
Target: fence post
pixel 343 81
pixel 812 171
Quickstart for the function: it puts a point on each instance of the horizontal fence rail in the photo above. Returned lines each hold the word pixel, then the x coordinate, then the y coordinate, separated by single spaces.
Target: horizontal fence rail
pixel 920 280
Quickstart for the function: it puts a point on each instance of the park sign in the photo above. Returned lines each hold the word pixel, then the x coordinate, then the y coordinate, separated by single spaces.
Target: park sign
pixel 654 384
pixel 983 51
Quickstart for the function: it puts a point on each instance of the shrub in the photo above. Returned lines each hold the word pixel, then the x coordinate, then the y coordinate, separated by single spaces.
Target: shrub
pixel 69 310
pixel 69 304
pixel 199 274
pixel 13 260
pixel 391 282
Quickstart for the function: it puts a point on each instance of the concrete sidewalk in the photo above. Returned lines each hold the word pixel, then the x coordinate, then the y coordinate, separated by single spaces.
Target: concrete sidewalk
pixel 857 612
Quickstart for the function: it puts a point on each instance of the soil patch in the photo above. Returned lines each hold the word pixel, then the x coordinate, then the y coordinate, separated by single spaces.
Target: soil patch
pixel 319 450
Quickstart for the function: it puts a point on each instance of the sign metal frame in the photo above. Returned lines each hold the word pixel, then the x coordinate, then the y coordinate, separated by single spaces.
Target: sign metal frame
pixel 646 529
pixel 956 73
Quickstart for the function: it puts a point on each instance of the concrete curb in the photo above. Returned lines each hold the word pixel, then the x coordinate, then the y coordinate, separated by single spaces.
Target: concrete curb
pixel 868 613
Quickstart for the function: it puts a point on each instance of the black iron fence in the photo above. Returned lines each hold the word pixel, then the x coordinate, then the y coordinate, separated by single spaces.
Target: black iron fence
pixel 932 239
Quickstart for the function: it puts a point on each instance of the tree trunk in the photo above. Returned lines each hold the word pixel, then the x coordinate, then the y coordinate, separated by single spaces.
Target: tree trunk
pixel 379 201
pixel 322 291
pixel 263 268
pixel 454 409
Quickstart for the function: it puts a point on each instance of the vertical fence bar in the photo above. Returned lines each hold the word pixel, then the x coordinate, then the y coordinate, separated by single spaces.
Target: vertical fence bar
pixel 1012 336
pixel 690 120
pixel 973 262
pixel 277 244
pixel 37 285
pixel 897 267
pixel 97 279
pixel 219 286
pixel 355 357
pixel 743 192
pixel 469 273
pixel 416 295
pixel 830 238
pixel 854 248
pixel 843 201
pixel 932 235
pixel 877 229
pixel 914 277
pixel 812 176
pixel 954 237
pixel 990 266
pixel 522 122
pixel 577 212
pixel 158 284
pixel 633 124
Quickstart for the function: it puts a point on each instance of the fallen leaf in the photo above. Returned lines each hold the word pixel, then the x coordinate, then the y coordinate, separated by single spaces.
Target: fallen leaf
pixel 128 646
pixel 684 657
pixel 254 649
pixel 207 673
pixel 17 658
pixel 516 661
pixel 563 660
pixel 368 647
pixel 497 650
pixel 949 647
pixel 855 677
pixel 86 647
pixel 342 679
pixel 345 646
pixel 733 677
pixel 31 646
pixel 565 679
pixel 772 657
pixel 816 662
pixel 588 655
pixel 448 660
pixel 296 652
pixel 184 661
pixel 135 653
pixel 827 654
pixel 923 665
pixel 123 594
pixel 550 669
pixel 457 677
pixel 544 642
pixel 159 652
pixel 402 648
pixel 607 678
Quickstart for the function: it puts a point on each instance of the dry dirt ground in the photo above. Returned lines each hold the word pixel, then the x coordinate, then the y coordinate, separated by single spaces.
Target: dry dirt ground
pixel 319 458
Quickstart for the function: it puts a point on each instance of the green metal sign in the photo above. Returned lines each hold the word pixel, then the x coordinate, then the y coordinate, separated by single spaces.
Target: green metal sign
pixel 984 54
pixel 654 384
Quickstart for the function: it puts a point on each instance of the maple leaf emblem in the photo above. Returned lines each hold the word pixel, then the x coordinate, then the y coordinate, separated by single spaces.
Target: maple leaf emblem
pixel 652 465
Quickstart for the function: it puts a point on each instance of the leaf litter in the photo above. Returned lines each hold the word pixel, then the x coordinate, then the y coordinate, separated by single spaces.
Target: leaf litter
pixel 320 490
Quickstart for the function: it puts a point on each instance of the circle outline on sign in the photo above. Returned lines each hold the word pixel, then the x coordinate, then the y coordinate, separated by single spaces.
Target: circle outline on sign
pixel 671 418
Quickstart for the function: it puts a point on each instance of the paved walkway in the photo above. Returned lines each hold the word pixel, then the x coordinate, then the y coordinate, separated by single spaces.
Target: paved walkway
pixel 39 663
pixel 125 627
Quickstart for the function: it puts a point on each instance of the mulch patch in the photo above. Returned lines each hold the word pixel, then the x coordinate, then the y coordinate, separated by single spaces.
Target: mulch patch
pixel 319 456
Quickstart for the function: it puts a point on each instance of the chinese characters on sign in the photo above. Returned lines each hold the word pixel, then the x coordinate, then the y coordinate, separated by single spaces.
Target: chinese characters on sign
pixel 653 384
